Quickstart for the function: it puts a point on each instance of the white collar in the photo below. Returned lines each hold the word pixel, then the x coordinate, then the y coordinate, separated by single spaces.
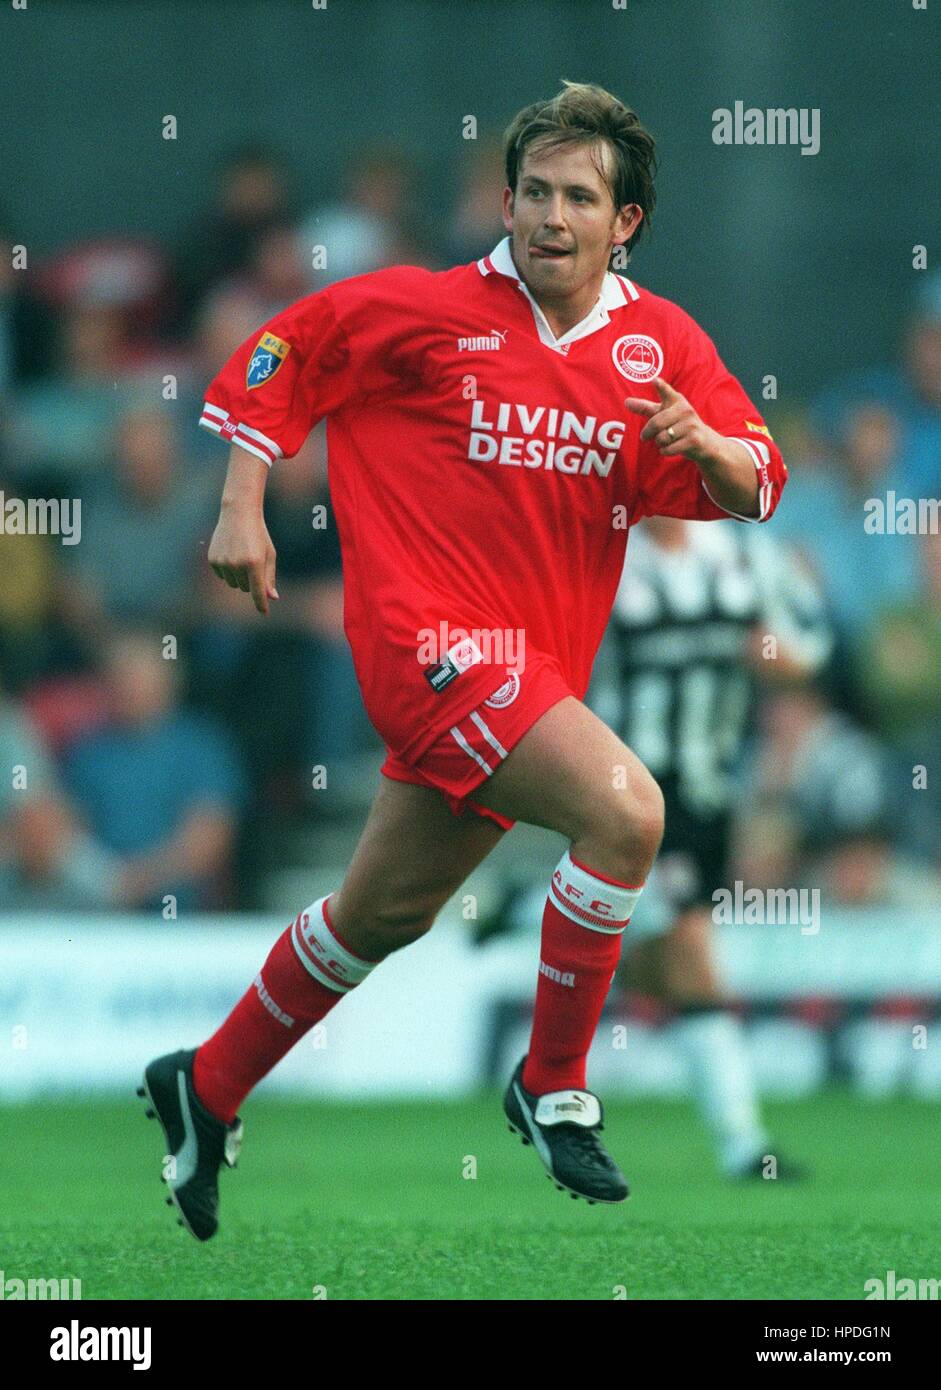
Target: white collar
pixel 616 291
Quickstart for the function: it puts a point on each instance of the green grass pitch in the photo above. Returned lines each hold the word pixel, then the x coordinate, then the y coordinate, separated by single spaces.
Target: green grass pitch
pixel 372 1202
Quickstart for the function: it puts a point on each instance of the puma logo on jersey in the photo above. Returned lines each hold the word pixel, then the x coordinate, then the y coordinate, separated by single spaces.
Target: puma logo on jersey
pixel 491 342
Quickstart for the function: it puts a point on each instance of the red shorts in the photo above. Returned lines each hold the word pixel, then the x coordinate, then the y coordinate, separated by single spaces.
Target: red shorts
pixel 467 753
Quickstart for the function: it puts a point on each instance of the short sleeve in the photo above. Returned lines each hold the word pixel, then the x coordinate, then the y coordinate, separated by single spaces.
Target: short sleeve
pixel 281 381
pixel 354 339
pixel 673 485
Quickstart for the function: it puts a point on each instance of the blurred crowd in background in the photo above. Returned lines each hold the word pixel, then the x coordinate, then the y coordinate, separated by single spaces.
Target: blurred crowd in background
pixel 168 734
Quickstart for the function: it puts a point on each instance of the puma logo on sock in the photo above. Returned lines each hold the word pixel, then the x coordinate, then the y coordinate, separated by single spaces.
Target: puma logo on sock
pixel 561 978
pixel 270 1005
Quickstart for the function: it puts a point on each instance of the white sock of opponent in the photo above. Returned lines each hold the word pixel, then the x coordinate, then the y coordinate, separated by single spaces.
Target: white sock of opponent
pixel 723 1086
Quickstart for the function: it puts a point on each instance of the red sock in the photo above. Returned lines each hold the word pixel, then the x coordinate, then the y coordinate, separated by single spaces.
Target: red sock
pixel 586 912
pixel 308 970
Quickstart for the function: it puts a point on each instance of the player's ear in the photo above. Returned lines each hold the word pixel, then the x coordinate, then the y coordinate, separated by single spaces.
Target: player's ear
pixel 509 202
pixel 626 222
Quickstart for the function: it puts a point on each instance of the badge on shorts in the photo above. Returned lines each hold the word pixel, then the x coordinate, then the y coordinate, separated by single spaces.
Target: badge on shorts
pixel 266 360
pixel 457 659
pixel 505 694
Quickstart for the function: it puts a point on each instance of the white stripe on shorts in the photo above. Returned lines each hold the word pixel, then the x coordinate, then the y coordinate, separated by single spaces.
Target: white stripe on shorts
pixel 488 734
pixel 462 741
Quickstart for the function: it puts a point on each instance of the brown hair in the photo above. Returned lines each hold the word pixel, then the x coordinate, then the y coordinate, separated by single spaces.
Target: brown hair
pixel 583 113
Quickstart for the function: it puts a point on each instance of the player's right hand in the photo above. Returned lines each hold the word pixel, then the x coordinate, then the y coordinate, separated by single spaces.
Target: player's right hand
pixel 242 554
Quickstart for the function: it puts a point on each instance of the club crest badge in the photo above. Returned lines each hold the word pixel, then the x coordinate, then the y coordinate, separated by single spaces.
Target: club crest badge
pixel 638 357
pixel 266 360
pixel 505 694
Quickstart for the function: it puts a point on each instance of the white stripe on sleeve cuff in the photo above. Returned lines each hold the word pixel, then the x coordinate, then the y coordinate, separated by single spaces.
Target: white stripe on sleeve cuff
pixel 762 459
pixel 220 422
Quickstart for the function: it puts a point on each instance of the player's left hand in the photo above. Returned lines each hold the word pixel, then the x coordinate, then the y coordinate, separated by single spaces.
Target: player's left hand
pixel 691 437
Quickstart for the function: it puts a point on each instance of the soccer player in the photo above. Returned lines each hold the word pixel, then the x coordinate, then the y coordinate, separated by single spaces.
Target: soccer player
pixel 493 431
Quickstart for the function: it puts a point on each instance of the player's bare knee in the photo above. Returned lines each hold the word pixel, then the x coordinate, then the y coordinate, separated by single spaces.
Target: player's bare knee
pixel 647 817
pixel 634 826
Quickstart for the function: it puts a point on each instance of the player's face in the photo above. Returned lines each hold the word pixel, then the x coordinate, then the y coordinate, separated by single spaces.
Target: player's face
pixel 563 220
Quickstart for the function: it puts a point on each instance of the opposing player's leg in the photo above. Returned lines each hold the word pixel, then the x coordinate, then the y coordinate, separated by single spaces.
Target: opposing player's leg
pixel 679 968
pixel 571 774
pixel 414 853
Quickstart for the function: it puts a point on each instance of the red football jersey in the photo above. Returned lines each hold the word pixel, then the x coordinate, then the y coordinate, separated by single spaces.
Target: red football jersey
pixel 483 472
